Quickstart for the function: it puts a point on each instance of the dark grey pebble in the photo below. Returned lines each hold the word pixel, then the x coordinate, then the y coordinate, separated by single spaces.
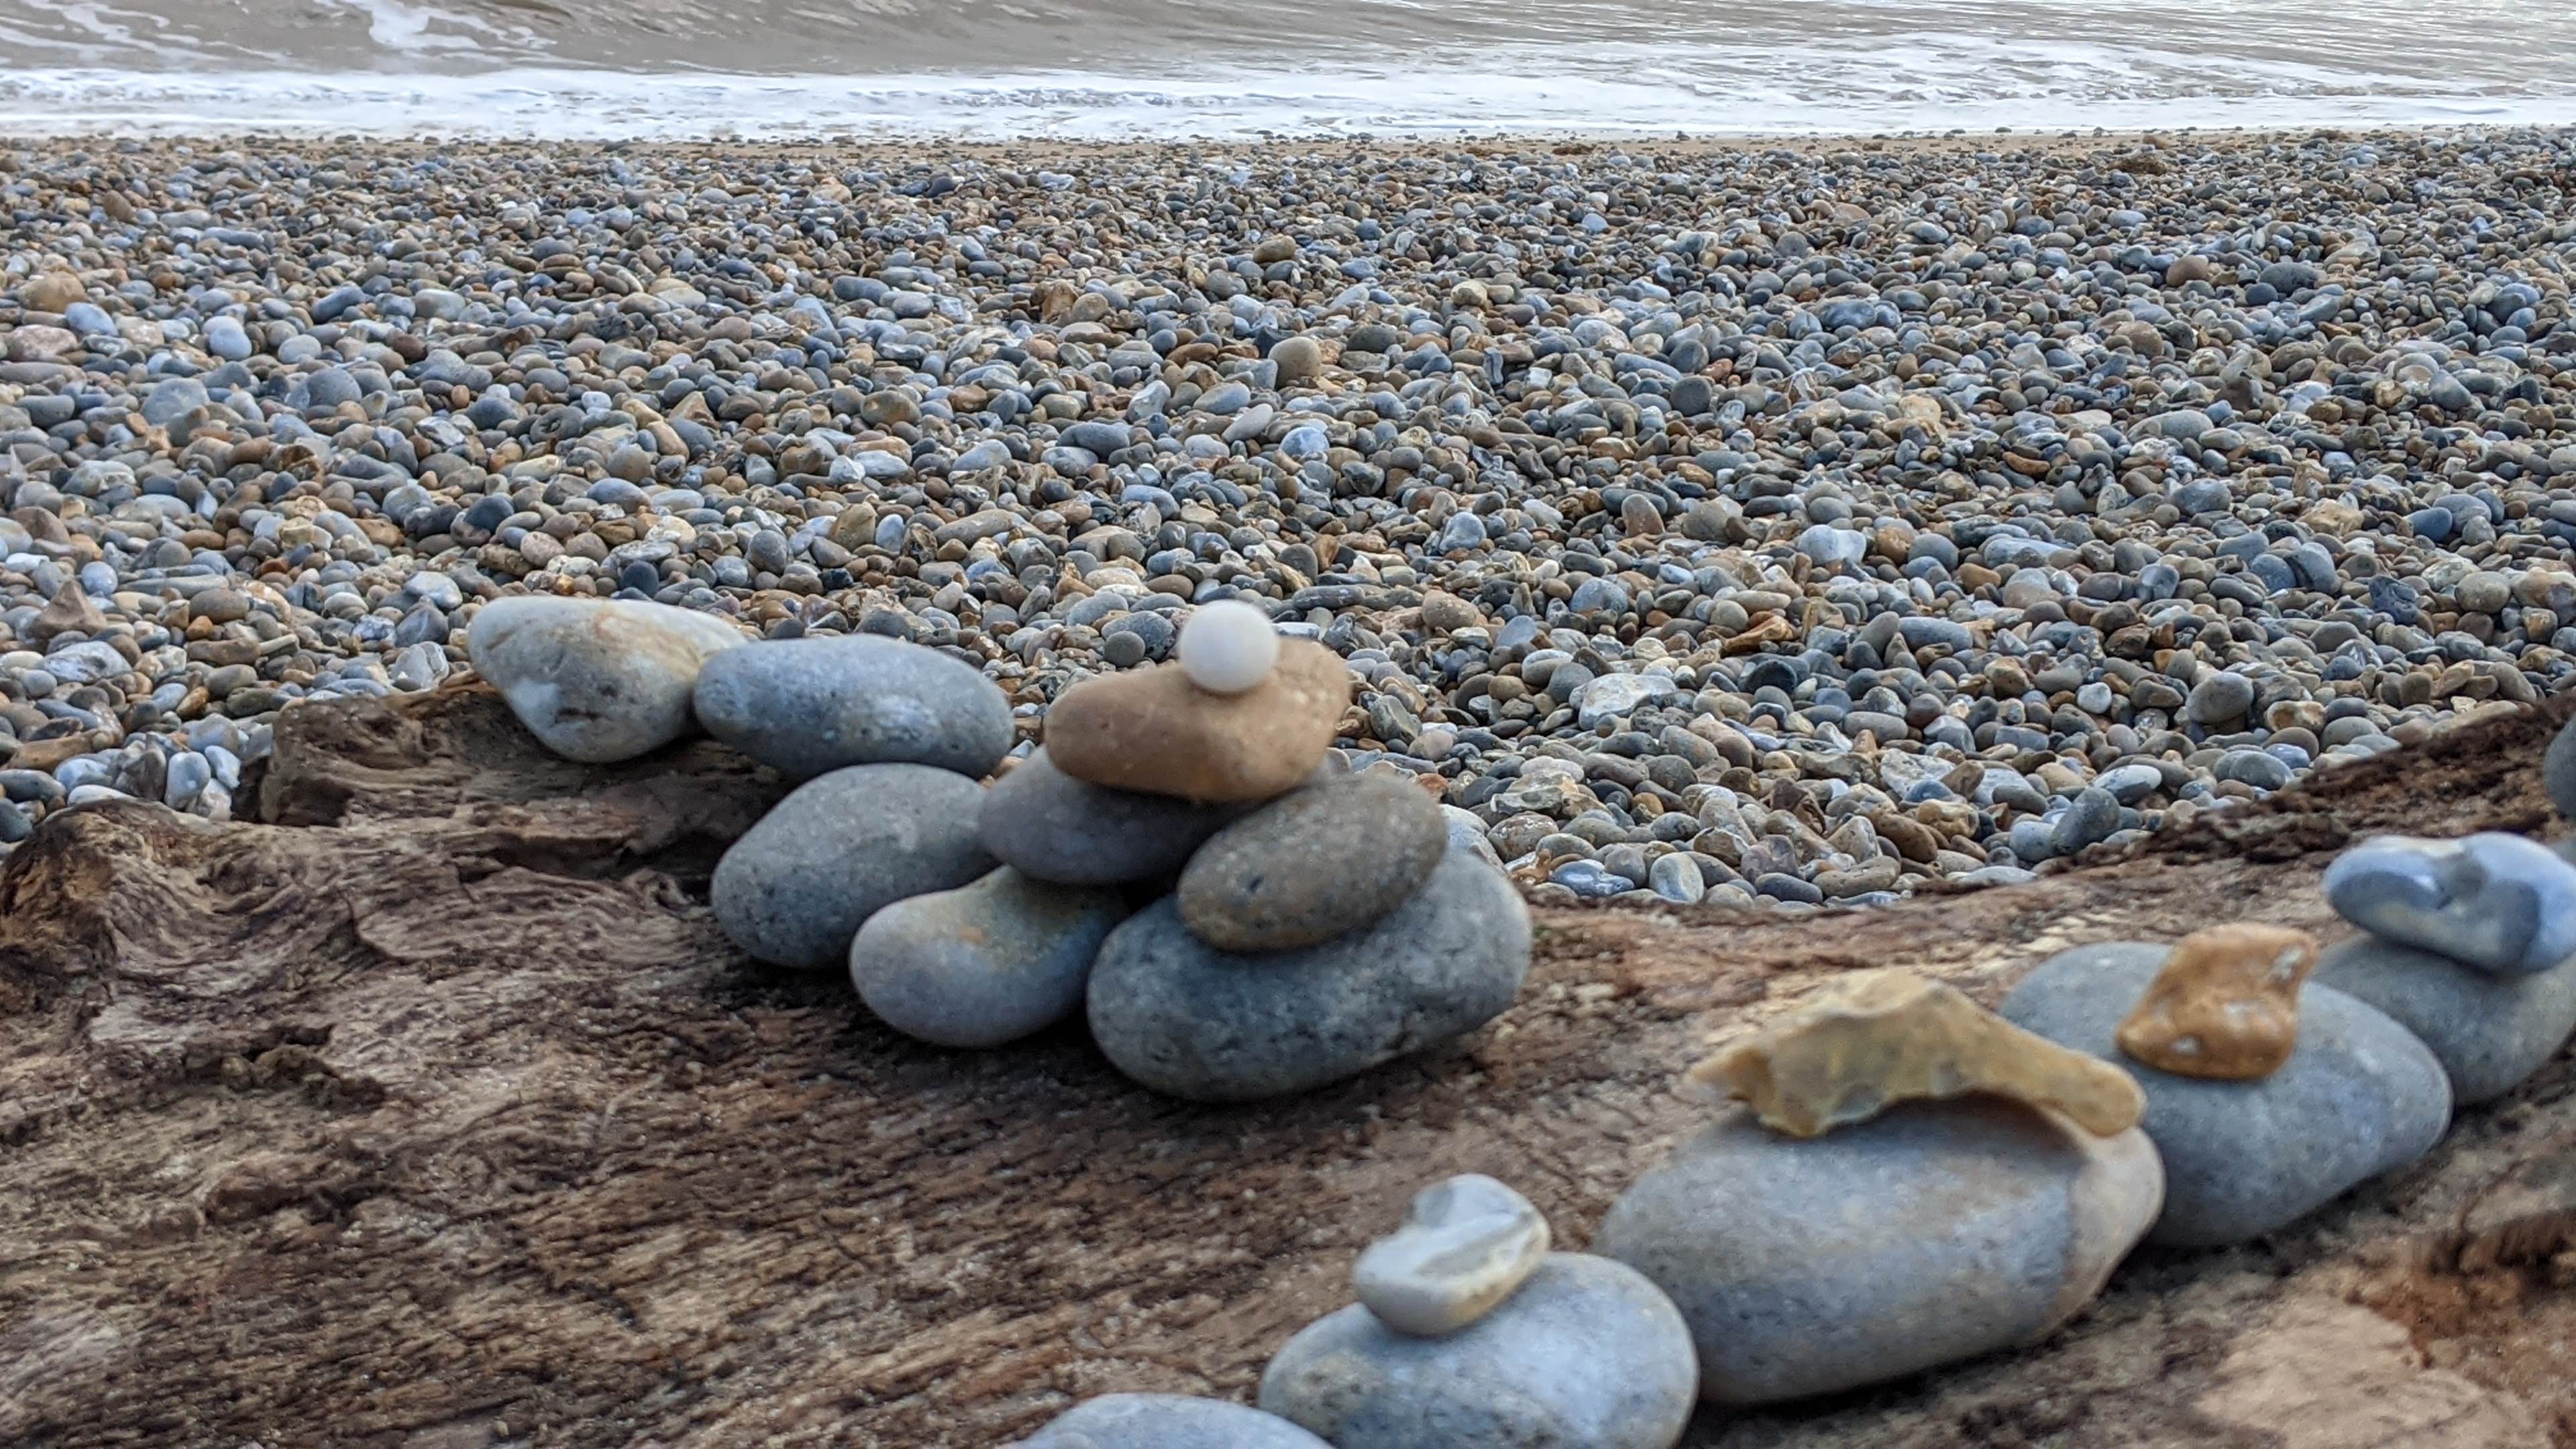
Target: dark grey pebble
pixel 809 705
pixel 795 888
pixel 1316 863
pixel 1049 825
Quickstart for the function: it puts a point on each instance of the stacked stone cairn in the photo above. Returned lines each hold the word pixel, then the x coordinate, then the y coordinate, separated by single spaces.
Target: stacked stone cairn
pixel 1300 924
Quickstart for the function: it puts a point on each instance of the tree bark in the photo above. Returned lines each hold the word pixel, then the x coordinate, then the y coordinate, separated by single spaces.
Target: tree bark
pixel 430 1109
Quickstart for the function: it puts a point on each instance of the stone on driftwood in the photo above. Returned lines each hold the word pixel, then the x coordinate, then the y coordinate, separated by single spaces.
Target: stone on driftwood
pixel 1155 731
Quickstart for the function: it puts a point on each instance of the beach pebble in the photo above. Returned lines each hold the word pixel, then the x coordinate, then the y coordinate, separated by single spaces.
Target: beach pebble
pixel 1167 1421
pixel 796 887
pixel 1228 647
pixel 1466 1243
pixel 1314 864
pixel 1050 826
pixel 985 963
pixel 2489 1031
pixel 1152 730
pixel 596 680
pixel 1191 1021
pixel 2360 1096
pixel 1932 1232
pixel 809 705
pixel 2494 901
pixel 1587 1353
pixel 2225 1004
pixel 2558 770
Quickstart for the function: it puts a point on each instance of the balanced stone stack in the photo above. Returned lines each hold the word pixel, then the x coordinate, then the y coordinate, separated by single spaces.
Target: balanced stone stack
pixel 2265 1100
pixel 2469 944
pixel 1796 1233
pixel 1309 925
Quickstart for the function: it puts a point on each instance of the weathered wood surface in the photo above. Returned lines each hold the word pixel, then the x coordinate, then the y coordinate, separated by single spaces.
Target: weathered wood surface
pixel 437 1113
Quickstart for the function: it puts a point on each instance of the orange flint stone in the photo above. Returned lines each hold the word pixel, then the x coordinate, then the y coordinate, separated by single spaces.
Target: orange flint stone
pixel 2225 1005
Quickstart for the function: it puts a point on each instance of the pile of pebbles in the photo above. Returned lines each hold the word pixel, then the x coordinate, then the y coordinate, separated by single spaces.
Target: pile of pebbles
pixel 1761 525
pixel 1236 916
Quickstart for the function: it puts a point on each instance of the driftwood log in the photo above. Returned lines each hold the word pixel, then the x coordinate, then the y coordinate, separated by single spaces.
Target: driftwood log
pixel 430 1109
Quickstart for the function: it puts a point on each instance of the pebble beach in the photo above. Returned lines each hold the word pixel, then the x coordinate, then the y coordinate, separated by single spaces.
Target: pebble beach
pixel 1782 526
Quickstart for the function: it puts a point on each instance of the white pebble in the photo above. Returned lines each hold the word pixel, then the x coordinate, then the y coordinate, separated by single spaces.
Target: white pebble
pixel 1228 647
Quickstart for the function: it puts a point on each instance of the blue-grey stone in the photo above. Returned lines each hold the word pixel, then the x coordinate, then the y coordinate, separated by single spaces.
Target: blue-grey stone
pixel 1585 1352
pixel 329 388
pixel 1599 596
pixel 227 338
pixel 1314 864
pixel 2257 768
pixel 809 705
pixel 2489 1031
pixel 596 680
pixel 2359 1096
pixel 2129 784
pixel 1930 1233
pixel 983 964
pixel 1189 1020
pixel 1677 877
pixel 1167 1421
pixel 2091 818
pixel 2558 770
pixel 171 399
pixel 796 887
pixel 1049 825
pixel 1832 546
pixel 2494 901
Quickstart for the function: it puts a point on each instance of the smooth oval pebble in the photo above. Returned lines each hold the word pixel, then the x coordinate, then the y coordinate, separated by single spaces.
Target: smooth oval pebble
pixel 2494 901
pixel 1586 1353
pixel 1152 730
pixel 1167 1421
pixel 596 680
pixel 2358 1097
pixel 805 706
pixel 794 890
pixel 1228 647
pixel 1465 1245
pixel 1316 863
pixel 2488 1031
pixel 1189 1020
pixel 1046 824
pixel 985 963
pixel 1933 1232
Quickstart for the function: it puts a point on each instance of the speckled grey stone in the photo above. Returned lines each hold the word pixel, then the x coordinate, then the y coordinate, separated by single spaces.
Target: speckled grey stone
pixel 2489 1031
pixel 2359 1096
pixel 1168 1421
pixel 1313 864
pixel 2558 771
pixel 985 963
pixel 1932 1232
pixel 2494 901
pixel 795 888
pixel 1187 1019
pixel 596 680
pixel 810 705
pixel 1587 1353
pixel 1048 825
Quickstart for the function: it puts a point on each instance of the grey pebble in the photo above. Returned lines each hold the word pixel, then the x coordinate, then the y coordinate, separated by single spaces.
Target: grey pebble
pixel 983 964
pixel 2489 1031
pixel 815 704
pixel 1167 1421
pixel 794 890
pixel 1051 826
pixel 1316 863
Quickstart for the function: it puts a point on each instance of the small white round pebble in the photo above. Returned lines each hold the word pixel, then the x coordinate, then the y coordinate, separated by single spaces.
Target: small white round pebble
pixel 1228 647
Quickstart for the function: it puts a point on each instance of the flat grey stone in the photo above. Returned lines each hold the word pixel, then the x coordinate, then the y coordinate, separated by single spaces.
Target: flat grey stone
pixel 795 888
pixel 1187 1019
pixel 1466 1243
pixel 810 705
pixel 2489 1031
pixel 1586 1353
pixel 1933 1232
pixel 1050 826
pixel 1167 1421
pixel 596 680
pixel 1313 864
pixel 2494 901
pixel 2360 1096
pixel 985 963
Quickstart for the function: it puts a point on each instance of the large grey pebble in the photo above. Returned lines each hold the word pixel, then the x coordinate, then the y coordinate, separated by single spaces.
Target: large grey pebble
pixel 794 890
pixel 2489 1031
pixel 2494 901
pixel 2558 770
pixel 1466 1243
pixel 1588 1353
pixel 2360 1096
pixel 1049 825
pixel 1167 1421
pixel 1933 1232
pixel 1190 1020
pixel 985 963
pixel 1314 864
pixel 596 680
pixel 816 704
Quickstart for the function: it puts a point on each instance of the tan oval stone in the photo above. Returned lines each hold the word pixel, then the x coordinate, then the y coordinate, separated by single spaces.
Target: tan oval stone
pixel 2226 1004
pixel 1882 1037
pixel 1152 730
